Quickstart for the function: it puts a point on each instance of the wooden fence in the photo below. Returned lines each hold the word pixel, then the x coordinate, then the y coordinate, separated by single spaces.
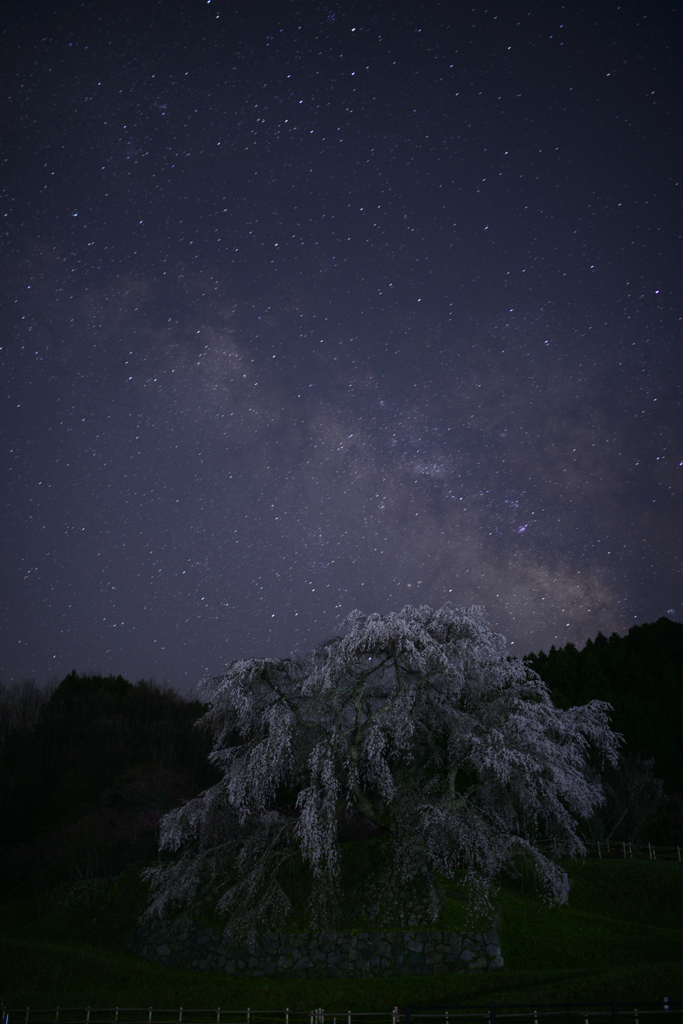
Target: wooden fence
pixel 184 1015
pixel 613 849
pixel 553 1013
pixel 641 1012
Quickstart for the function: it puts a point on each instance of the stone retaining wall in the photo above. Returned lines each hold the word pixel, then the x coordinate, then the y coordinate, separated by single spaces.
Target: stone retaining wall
pixel 306 955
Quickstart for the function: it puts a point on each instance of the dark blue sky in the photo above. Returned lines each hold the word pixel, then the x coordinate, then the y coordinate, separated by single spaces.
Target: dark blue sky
pixel 308 307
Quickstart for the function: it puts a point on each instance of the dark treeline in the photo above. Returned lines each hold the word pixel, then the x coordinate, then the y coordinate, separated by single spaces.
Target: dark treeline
pixel 87 768
pixel 641 676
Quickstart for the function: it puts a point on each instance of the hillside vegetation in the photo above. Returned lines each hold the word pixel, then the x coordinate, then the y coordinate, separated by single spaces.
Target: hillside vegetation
pixel 86 772
pixel 641 676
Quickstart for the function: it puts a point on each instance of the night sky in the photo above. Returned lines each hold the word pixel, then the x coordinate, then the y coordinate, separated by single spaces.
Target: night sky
pixel 312 307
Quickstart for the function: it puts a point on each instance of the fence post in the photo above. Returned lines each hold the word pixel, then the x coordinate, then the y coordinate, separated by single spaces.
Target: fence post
pixel 615 1012
pixel 149 1018
pixel 27 1012
pixel 218 1015
pixel 649 850
pixel 492 1013
pixel 624 845
pixel 287 1015
pixel 180 1015
pixel 599 853
pixel 679 854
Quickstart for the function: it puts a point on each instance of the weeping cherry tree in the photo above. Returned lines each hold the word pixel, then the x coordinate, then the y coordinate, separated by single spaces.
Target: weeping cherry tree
pixel 418 723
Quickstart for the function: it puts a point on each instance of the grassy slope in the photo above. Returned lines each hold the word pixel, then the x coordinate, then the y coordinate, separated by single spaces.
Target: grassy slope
pixel 621 936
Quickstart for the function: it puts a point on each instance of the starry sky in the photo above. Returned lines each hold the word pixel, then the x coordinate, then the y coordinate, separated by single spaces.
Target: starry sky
pixel 308 307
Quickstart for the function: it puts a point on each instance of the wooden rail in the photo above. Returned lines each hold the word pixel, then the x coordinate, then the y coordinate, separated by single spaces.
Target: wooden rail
pixel 476 1013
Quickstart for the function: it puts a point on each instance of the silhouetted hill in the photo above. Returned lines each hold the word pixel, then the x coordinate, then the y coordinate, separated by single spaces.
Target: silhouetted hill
pixel 641 675
pixel 86 773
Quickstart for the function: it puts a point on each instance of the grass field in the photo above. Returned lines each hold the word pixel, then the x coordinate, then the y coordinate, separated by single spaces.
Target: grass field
pixel 620 937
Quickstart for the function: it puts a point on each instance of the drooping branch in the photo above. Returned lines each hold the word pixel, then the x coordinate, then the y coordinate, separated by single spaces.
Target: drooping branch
pixel 418 720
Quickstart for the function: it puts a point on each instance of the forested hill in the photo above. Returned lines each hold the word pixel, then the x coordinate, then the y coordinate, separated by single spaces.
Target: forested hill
pixel 87 771
pixel 641 675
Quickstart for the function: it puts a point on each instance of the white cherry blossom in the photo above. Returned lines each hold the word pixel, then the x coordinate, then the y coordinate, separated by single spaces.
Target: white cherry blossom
pixel 420 722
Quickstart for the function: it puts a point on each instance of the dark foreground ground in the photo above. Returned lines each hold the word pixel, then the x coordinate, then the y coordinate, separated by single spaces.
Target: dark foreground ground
pixel 620 937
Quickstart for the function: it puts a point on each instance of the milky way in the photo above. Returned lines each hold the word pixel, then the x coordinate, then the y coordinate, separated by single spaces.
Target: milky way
pixel 314 307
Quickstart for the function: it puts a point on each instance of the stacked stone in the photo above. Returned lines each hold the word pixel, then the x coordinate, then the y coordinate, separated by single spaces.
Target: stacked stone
pixel 307 955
